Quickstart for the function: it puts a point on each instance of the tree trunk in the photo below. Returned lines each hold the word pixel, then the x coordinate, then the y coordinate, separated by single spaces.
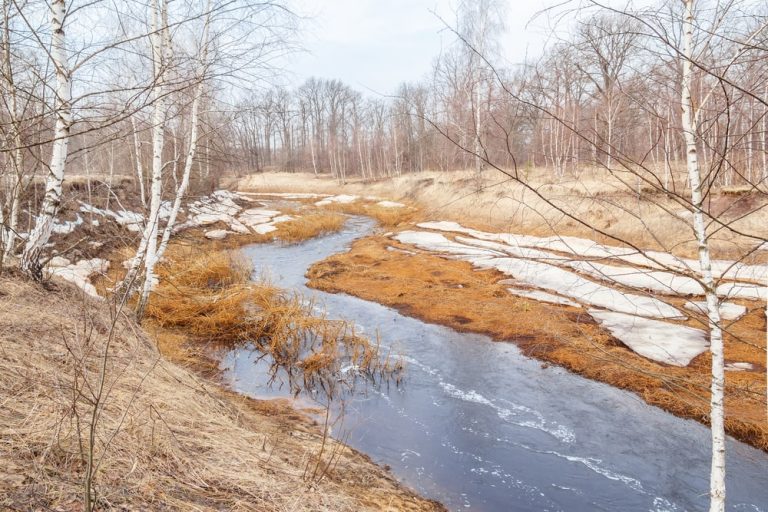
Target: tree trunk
pixel 717 413
pixel 30 258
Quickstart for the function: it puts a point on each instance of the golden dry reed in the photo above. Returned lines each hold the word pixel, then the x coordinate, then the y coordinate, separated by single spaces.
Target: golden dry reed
pixel 211 297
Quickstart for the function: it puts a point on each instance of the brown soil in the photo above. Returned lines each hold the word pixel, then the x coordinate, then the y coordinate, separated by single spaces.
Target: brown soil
pixel 450 292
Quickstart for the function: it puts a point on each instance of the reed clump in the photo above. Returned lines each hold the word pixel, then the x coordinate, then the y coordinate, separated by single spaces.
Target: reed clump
pixel 212 298
pixel 309 226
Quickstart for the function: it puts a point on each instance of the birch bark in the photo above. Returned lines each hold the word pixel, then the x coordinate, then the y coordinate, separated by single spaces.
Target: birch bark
pixel 30 258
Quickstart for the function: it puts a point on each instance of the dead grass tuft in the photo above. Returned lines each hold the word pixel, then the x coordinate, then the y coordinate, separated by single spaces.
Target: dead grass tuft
pixel 211 297
pixel 309 226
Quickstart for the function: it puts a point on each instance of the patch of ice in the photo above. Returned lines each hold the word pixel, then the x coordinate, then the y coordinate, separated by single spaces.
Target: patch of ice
pixel 390 204
pixel 666 343
pixel 728 310
pixel 516 414
pixel 543 297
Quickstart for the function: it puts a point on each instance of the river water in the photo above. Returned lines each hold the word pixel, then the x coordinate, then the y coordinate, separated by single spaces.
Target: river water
pixel 478 426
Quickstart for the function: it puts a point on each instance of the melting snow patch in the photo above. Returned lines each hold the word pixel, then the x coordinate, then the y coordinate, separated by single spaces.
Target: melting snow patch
pixel 263 229
pixel 660 341
pixel 545 276
pixel 341 199
pixel 132 221
pixel 554 279
pixel 216 234
pixel 390 204
pixel 543 297
pixel 79 273
pixel 728 310
pixel 438 243
pixel 739 367
pixel 586 248
pixel 66 227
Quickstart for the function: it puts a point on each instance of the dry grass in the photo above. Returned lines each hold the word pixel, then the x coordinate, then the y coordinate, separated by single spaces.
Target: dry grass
pixel 210 298
pixel 165 439
pixel 451 293
pixel 309 225
pixel 650 220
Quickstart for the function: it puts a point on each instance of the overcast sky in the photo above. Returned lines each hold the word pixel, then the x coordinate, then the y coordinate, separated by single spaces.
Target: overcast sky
pixel 377 44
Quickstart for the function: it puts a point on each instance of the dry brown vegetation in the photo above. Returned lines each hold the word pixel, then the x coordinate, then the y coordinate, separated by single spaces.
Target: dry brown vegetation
pixel 309 225
pixel 450 292
pixel 165 439
pixel 646 218
pixel 210 298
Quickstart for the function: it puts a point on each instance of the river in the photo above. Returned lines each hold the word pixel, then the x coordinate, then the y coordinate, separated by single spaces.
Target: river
pixel 478 426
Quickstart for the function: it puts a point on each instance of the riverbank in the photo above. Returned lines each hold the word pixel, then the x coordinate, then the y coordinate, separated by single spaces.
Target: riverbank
pixel 443 290
pixel 88 391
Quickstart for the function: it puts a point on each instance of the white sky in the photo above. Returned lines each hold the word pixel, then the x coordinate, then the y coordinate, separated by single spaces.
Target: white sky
pixel 377 44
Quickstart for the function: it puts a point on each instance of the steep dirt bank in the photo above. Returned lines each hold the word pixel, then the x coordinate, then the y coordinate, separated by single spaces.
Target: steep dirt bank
pixel 164 437
pixel 452 293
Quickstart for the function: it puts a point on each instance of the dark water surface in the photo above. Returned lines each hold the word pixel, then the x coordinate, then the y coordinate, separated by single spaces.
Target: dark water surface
pixel 479 426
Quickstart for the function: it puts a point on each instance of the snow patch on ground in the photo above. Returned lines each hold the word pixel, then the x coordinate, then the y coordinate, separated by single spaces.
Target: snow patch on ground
pixel 728 310
pixel 285 195
pixel 586 248
pixel 390 204
pixel 66 227
pixel 543 297
pixel 660 341
pixel 132 221
pixel 545 276
pixel 341 199
pixel 216 234
pixel 78 273
pixel 739 367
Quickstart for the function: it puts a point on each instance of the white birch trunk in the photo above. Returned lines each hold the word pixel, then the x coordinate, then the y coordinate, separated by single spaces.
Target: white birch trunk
pixel 717 412
pixel 193 142
pixel 30 258
pixel 139 165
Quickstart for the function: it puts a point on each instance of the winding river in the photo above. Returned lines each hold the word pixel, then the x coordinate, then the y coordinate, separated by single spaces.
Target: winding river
pixel 478 426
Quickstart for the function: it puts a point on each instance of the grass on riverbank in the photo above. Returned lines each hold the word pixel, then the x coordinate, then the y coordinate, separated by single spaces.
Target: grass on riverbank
pixel 310 225
pixel 452 293
pixel 165 438
pixel 210 297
